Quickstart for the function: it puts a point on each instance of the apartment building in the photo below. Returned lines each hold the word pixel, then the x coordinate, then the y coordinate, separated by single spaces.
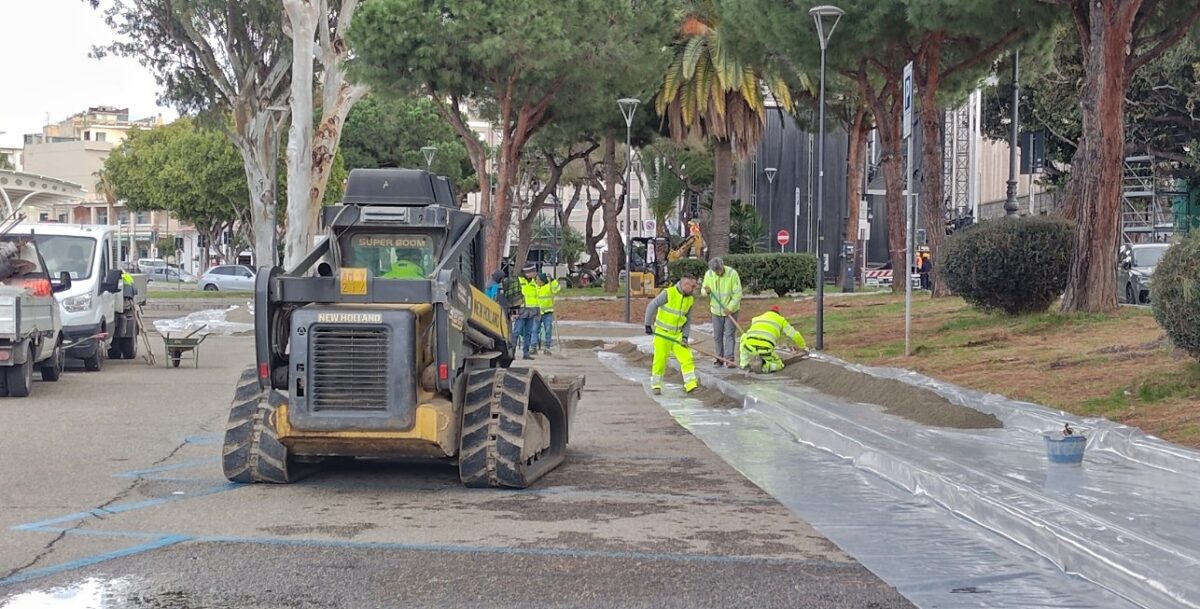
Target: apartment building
pixel 74 149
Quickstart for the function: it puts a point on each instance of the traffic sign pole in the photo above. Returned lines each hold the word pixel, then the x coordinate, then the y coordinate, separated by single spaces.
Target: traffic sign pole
pixel 905 273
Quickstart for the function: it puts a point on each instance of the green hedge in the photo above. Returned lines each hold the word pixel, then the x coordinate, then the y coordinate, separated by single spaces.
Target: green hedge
pixel 1175 294
pixel 782 273
pixel 1015 265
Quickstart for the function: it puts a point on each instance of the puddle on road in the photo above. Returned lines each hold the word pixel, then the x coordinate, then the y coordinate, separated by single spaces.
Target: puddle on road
pixel 97 593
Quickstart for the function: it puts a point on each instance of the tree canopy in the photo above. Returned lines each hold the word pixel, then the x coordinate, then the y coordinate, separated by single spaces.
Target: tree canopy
pixel 191 172
pixel 386 131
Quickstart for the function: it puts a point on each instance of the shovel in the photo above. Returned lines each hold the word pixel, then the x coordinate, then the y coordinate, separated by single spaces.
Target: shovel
pixel 697 349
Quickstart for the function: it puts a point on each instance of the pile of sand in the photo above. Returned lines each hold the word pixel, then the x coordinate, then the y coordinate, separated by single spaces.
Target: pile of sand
pixel 239 314
pixel 896 397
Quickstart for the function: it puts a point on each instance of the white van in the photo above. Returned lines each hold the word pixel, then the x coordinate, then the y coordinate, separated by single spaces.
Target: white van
pixel 97 310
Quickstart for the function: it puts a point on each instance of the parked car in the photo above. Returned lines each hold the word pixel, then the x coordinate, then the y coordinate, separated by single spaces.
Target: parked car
pixel 170 274
pixel 1135 267
pixel 148 265
pixel 230 277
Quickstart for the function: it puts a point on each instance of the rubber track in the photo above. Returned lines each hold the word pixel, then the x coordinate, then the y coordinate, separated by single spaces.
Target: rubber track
pixel 252 451
pixel 494 413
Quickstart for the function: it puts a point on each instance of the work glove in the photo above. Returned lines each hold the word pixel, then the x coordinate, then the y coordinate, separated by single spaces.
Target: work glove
pixel 649 330
pixel 544 278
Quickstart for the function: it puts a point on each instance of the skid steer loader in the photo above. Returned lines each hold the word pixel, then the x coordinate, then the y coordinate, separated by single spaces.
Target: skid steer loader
pixel 381 344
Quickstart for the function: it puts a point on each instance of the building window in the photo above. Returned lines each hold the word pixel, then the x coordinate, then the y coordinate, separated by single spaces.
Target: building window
pixel 87 136
pixel 100 136
pixel 43 216
pixel 122 216
pixel 143 217
pixel 62 218
pixel 101 215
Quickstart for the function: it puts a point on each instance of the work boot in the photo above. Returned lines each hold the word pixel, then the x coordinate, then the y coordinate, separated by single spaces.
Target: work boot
pixel 527 356
pixel 717 362
pixel 656 390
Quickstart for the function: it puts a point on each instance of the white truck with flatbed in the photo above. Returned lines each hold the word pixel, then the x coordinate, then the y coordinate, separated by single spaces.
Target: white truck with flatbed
pixel 98 309
pixel 30 326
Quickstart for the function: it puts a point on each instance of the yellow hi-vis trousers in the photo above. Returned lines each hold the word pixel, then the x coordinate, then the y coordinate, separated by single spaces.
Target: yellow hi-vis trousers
pixel 751 348
pixel 664 348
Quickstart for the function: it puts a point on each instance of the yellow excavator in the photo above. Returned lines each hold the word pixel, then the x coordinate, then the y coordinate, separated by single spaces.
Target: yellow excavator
pixel 653 277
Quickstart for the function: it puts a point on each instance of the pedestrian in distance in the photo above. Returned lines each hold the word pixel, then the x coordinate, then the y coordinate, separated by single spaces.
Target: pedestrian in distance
pixel 547 290
pixel 669 319
pixel 761 339
pixel 724 290
pixel 925 268
pixel 525 328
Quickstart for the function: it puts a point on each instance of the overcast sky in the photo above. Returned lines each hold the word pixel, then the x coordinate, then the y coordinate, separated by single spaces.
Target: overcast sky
pixel 45 68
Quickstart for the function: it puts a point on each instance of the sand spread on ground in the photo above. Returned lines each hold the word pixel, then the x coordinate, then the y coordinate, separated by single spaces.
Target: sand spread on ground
pixel 895 397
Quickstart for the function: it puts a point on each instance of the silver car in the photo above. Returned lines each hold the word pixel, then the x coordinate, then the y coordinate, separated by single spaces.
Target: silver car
pixel 1135 268
pixel 229 277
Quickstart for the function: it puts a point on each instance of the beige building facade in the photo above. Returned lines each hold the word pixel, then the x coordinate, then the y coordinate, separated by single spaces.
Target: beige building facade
pixel 74 150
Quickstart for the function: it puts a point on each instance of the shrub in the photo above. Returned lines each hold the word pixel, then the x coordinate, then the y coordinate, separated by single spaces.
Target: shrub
pixel 781 273
pixel 1175 294
pixel 1015 265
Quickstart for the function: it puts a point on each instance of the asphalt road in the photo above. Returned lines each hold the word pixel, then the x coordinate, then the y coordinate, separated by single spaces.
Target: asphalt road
pixel 111 495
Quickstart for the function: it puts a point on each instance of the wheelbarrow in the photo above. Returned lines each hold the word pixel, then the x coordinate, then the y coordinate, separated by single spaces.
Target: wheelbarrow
pixel 185 347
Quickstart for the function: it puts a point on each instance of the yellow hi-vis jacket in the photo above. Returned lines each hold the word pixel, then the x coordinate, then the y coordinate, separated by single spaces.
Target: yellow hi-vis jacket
pixel 546 295
pixel 724 292
pixel 670 312
pixel 768 327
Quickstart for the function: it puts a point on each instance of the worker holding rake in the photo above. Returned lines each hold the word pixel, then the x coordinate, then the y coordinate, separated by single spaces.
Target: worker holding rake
pixel 724 290
pixel 759 343
pixel 668 319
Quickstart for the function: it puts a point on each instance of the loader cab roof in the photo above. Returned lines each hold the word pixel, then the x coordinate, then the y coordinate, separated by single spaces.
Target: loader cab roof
pixel 398 187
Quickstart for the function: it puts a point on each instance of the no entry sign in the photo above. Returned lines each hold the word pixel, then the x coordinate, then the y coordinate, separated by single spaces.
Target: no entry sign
pixel 783 237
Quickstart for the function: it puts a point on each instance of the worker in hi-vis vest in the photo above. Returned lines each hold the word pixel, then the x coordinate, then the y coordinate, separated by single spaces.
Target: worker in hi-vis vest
pixel 761 339
pixel 724 289
pixel 668 320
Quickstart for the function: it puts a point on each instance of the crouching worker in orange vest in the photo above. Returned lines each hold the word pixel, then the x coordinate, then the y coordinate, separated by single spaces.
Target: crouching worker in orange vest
pixel 761 338
pixel 668 319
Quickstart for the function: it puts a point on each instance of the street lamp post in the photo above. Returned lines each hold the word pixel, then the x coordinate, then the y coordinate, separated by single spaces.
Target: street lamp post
pixel 1010 202
pixel 770 171
pixel 819 14
pixel 430 152
pixel 628 108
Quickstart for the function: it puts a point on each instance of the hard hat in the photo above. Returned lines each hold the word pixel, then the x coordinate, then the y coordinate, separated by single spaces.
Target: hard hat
pixel 775 308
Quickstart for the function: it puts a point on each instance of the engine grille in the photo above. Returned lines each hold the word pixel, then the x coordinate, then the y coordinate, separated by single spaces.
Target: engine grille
pixel 349 367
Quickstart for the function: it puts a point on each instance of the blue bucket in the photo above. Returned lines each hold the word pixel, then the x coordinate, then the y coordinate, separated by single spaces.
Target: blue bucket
pixel 1065 449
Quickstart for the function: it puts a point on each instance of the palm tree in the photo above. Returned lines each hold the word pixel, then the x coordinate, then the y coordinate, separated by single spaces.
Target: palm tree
pixel 709 92
pixel 106 188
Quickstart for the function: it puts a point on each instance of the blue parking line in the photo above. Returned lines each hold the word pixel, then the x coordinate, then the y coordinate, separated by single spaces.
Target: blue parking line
pixel 88 561
pixel 122 508
pixel 138 473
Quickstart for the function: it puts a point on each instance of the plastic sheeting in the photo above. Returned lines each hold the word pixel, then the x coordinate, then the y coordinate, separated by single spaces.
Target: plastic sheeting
pixel 211 321
pixel 1125 520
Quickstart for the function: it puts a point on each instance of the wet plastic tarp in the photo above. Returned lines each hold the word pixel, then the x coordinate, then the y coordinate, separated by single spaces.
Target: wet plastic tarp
pixel 209 321
pixel 1125 521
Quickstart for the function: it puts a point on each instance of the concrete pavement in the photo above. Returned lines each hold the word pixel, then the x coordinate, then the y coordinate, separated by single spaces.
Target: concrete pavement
pixel 119 494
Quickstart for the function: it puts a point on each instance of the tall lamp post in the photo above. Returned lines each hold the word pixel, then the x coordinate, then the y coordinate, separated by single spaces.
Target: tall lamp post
pixel 430 152
pixel 1010 201
pixel 819 15
pixel 770 171
pixel 628 108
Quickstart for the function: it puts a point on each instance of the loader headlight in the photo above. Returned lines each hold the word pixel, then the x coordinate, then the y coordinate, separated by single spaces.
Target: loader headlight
pixel 77 304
